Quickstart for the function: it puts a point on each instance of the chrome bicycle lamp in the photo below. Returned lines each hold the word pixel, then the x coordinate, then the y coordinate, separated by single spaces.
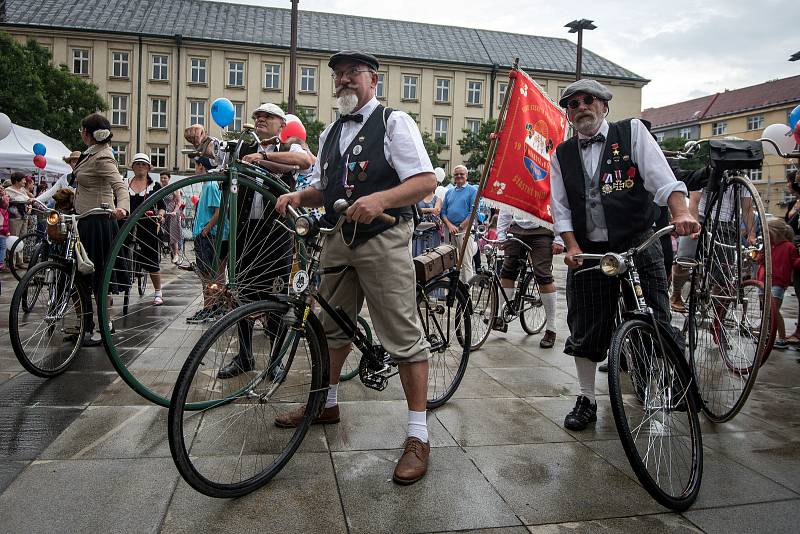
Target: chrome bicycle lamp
pixel 53 218
pixel 303 226
pixel 612 264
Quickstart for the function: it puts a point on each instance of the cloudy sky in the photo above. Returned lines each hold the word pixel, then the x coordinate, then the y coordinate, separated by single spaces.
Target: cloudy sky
pixel 687 48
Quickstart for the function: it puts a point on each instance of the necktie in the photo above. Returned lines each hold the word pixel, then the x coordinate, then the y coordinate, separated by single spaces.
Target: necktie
pixel 355 117
pixel 599 138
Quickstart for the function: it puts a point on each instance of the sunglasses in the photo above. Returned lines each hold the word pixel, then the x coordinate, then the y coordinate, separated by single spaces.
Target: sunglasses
pixel 575 102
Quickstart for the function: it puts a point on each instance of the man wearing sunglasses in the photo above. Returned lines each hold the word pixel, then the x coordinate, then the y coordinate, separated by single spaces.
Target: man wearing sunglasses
pixel 607 183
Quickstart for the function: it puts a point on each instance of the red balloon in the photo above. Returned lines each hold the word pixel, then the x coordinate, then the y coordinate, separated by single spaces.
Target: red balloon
pixel 293 129
pixel 39 162
pixel 195 199
pixel 796 133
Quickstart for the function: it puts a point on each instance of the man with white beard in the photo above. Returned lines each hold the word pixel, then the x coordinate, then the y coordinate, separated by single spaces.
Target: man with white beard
pixel 374 157
pixel 605 184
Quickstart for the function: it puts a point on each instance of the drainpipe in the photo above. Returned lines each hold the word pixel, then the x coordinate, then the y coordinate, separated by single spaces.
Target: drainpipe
pixel 493 77
pixel 178 41
pixel 139 102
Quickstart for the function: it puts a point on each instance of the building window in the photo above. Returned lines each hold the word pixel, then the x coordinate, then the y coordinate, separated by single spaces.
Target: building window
pixel 308 79
pixel 501 93
pixel 310 112
pixel 238 117
pixel 719 128
pixel 442 90
pixel 474 89
pixel 685 133
pixel 756 122
pixel 121 153
pixel 190 161
pixel 80 61
pixel 380 87
pixel 119 64
pixel 660 137
pixel 158 157
pixel 756 174
pixel 410 87
pixel 158 113
pixel 236 73
pixel 197 70
pixel 474 125
pixel 119 110
pixel 197 112
pixel 160 68
pixel 441 126
pixel 272 76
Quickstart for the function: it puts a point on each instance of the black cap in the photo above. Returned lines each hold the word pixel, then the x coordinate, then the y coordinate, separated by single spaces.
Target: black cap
pixel 354 55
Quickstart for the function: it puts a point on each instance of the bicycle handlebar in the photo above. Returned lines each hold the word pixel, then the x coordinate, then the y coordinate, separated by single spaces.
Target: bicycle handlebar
pixel 634 251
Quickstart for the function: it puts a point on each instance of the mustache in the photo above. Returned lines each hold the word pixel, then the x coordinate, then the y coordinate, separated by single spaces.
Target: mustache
pixel 343 88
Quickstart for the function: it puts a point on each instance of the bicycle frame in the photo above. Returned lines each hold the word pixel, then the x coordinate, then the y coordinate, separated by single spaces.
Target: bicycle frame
pixel 525 267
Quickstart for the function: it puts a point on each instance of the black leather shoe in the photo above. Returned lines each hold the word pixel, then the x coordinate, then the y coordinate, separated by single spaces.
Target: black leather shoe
pixel 239 364
pixel 582 414
pixel 603 368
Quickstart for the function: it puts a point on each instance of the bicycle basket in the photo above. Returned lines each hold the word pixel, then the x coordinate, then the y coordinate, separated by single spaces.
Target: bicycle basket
pixel 729 154
pixel 57 233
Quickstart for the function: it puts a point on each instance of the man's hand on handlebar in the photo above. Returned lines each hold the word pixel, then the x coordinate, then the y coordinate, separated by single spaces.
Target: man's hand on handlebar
pixel 685 224
pixel 252 158
pixel 365 209
pixel 570 260
pixel 289 199
pixel 119 214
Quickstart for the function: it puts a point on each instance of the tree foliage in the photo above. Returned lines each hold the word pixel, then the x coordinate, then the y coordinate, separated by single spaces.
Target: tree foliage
pixel 38 95
pixel 677 143
pixel 475 146
pixel 433 147
pixel 313 126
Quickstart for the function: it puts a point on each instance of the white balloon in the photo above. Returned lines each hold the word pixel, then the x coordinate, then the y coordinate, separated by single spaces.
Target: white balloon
pixel 5 126
pixel 782 135
pixel 292 118
pixel 439 172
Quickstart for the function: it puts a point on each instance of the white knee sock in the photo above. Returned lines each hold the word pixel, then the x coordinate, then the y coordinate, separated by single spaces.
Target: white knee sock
pixel 417 426
pixel 158 293
pixel 549 302
pixel 332 400
pixel 587 370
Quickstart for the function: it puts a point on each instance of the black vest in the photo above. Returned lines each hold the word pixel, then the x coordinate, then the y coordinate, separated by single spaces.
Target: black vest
pixel 628 207
pixel 367 172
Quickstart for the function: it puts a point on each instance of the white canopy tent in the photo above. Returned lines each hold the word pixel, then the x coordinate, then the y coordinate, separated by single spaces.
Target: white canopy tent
pixel 16 152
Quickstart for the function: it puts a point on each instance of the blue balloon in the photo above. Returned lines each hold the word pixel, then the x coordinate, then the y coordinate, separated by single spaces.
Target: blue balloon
pixel 39 149
pixel 222 112
pixel 794 117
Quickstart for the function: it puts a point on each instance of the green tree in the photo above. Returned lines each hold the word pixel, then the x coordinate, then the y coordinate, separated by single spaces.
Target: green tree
pixel 677 143
pixel 433 146
pixel 475 146
pixel 38 95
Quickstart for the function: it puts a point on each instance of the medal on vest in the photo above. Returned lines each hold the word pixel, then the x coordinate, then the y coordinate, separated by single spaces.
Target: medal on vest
pixel 606 184
pixel 362 176
pixel 347 183
pixel 631 173
pixel 357 150
pixel 615 149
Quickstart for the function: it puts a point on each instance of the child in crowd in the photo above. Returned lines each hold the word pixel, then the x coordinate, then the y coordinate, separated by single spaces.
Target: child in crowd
pixel 4 230
pixel 784 260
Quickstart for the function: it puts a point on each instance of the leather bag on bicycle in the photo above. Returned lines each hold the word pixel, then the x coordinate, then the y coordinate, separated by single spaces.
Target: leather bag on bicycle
pixel 727 154
pixel 434 262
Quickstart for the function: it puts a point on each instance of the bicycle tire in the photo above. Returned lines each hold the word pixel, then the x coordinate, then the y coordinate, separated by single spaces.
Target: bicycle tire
pixel 152 373
pixel 141 282
pixel 484 305
pixel 719 340
pixel 202 452
pixel 350 367
pixel 532 315
pixel 31 245
pixel 37 341
pixel 446 328
pixel 754 293
pixel 662 468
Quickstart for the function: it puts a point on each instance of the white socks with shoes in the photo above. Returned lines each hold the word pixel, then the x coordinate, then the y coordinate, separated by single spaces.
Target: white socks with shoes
pixel 417 426
pixel 587 369
pixel 332 400
pixel 549 303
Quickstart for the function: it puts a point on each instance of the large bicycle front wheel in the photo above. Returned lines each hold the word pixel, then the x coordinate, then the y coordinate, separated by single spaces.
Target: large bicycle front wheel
pixel 149 343
pixel 231 446
pixel 448 330
pixel 728 330
pixel 656 414
pixel 47 330
pixel 483 298
pixel 532 315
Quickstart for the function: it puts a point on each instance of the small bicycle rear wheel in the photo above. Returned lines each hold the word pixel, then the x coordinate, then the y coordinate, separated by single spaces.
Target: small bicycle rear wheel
pixel 31 247
pixel 483 298
pixel 532 315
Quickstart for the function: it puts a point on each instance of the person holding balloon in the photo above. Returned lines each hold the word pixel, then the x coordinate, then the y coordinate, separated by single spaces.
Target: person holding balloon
pixel 18 204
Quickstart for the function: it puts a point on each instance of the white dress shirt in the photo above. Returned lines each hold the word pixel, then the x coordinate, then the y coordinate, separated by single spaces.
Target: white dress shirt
pixel 645 153
pixel 506 219
pixel 402 144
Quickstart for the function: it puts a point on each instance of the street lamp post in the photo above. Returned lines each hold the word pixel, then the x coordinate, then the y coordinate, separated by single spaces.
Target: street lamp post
pixel 293 59
pixel 578 26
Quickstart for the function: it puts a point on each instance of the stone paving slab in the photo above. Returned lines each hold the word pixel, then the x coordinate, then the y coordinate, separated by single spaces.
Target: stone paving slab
pixel 773 517
pixel 651 524
pixel 26 432
pixel 68 389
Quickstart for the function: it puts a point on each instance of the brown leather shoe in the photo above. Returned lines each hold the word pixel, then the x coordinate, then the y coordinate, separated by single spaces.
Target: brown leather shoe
pixel 548 339
pixel 413 464
pixel 327 416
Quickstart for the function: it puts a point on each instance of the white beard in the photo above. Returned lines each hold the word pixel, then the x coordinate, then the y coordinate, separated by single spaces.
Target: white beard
pixel 347 103
pixel 588 125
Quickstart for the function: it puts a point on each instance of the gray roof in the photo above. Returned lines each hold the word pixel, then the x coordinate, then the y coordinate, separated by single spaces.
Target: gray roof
pixel 322 32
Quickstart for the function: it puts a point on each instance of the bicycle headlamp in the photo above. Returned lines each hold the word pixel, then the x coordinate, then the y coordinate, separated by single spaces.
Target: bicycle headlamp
pixel 488 249
pixel 612 265
pixel 53 218
pixel 303 225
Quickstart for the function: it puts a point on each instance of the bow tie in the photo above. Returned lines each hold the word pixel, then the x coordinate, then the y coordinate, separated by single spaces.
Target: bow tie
pixel 599 138
pixel 355 117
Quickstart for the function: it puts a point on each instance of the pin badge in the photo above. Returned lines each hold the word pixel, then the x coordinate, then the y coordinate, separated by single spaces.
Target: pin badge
pixel 362 176
pixel 606 189
pixel 357 150
pixel 361 139
pixel 608 162
pixel 628 183
pixel 325 167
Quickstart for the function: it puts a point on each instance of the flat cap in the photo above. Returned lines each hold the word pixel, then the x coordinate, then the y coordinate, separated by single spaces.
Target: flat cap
pixel 354 55
pixel 590 87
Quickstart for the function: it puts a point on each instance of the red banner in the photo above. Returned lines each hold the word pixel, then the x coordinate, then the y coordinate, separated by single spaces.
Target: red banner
pixel 519 179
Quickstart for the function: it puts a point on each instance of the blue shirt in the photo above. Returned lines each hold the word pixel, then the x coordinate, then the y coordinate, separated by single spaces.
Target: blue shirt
pixel 458 202
pixel 210 198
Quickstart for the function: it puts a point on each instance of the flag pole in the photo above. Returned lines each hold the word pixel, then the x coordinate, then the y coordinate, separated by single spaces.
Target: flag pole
pixel 501 118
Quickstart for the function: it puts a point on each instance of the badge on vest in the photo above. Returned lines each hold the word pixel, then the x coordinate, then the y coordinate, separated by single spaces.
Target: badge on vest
pixel 357 150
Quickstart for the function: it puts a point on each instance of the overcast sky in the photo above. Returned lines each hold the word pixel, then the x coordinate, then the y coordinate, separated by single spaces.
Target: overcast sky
pixel 688 49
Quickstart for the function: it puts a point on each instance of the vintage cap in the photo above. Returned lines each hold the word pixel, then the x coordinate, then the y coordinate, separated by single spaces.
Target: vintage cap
pixel 355 56
pixel 141 157
pixel 75 154
pixel 589 87
pixel 270 108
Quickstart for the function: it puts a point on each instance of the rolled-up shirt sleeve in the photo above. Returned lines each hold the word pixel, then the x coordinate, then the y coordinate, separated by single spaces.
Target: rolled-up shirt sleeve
pixel 559 203
pixel 659 179
pixel 406 154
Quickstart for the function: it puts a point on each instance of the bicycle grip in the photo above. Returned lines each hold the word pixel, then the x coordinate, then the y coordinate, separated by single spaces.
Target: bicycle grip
pixel 386 218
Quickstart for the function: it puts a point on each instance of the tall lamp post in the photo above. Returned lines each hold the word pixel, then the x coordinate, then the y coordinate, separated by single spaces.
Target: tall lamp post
pixel 293 59
pixel 578 26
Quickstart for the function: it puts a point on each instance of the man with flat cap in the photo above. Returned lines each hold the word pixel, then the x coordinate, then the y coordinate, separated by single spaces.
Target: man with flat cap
pixel 373 157
pixel 607 183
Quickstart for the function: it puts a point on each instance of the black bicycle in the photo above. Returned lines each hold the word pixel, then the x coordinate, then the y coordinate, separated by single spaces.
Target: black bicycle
pixel 230 446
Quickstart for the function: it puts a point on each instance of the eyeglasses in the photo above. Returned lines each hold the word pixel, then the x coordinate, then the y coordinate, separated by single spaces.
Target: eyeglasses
pixel 575 102
pixel 350 73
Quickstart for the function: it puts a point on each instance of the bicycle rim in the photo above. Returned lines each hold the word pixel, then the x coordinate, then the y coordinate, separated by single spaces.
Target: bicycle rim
pixel 532 314
pixel 727 335
pixel 231 446
pixel 656 415
pixel 39 335
pixel 483 300
pixel 29 243
pixel 150 343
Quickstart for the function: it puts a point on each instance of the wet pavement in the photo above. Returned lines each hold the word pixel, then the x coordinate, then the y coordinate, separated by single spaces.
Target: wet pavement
pixel 82 453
